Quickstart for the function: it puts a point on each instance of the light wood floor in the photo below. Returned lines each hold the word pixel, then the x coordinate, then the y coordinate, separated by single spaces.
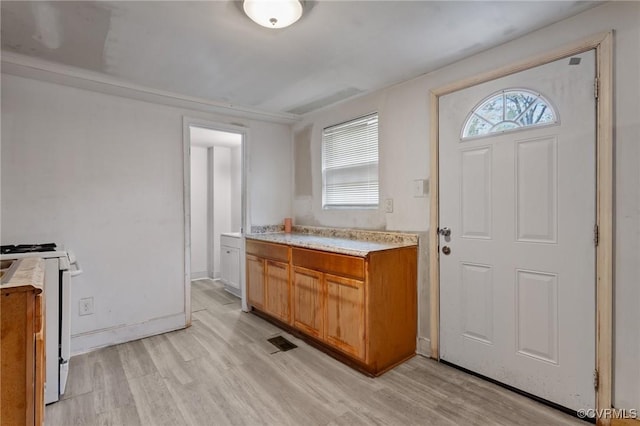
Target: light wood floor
pixel 222 371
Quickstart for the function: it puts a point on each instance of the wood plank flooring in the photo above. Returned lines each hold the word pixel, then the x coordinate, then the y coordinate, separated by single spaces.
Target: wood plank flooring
pixel 222 371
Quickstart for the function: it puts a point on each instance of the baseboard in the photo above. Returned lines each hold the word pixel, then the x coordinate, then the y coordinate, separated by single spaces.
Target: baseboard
pixel 424 347
pixel 233 290
pixel 90 341
pixel 199 275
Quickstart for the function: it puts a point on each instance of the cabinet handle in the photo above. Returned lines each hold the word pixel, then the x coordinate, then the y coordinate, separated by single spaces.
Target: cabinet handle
pixel 228 252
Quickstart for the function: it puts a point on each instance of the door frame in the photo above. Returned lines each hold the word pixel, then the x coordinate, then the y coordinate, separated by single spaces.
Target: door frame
pixel 603 45
pixel 187 122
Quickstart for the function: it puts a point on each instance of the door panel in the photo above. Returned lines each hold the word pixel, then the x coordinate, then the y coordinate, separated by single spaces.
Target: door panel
pixel 477 302
pixel 536 190
pixel 537 315
pixel 517 291
pixel 476 192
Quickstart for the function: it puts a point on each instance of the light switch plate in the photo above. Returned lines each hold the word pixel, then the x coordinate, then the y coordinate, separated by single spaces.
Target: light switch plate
pixel 420 187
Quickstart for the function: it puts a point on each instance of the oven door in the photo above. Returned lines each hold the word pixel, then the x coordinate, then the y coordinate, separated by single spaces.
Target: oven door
pixel 52 275
pixel 72 269
pixel 65 327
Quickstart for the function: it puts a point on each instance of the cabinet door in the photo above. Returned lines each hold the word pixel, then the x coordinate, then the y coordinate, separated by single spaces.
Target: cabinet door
pixel 230 266
pixel 234 267
pixel 345 319
pixel 255 281
pixel 277 290
pixel 224 264
pixel 308 301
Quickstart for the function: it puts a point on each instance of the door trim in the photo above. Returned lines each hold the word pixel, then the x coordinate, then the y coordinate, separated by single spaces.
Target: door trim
pixel 187 122
pixel 603 45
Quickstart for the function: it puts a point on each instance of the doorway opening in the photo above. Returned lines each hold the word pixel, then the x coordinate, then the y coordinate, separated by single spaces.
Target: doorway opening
pixel 214 212
pixel 216 175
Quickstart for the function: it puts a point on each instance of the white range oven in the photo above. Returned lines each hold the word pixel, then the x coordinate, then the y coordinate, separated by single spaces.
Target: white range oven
pixel 60 266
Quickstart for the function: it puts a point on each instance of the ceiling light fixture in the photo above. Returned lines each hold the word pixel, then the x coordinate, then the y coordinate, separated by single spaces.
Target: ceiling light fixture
pixel 273 13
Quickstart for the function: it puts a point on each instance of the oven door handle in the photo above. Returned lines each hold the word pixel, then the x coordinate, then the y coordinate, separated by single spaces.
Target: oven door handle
pixel 75 269
pixel 74 266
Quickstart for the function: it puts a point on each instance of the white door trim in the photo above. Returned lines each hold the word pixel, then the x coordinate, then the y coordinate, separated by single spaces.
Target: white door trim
pixel 603 45
pixel 245 220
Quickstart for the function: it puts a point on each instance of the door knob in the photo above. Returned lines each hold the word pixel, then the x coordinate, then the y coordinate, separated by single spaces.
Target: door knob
pixel 445 232
pixel 446 250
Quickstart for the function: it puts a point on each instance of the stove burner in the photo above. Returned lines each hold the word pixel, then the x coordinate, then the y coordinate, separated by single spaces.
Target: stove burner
pixel 27 248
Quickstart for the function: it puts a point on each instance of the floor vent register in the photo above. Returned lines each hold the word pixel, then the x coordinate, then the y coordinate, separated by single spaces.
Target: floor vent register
pixel 281 343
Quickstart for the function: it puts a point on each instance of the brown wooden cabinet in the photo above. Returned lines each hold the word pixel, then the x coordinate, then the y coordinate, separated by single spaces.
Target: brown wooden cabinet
pixel 361 309
pixel 255 281
pixel 268 282
pixel 277 290
pixel 345 315
pixel 308 301
pixel 22 353
pixel 330 308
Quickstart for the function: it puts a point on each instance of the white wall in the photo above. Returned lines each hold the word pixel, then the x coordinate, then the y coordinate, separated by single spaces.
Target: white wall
pixel 104 175
pixel 236 189
pixel 404 156
pixel 270 174
pixel 199 212
pixel 221 200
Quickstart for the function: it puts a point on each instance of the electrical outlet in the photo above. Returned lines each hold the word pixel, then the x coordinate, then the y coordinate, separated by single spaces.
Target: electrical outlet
pixel 85 307
pixel 388 205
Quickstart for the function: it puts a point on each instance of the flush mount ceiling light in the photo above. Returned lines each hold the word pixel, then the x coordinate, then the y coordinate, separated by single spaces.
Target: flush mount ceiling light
pixel 273 13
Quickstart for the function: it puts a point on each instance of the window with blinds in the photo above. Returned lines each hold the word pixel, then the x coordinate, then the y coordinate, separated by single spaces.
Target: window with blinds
pixel 350 164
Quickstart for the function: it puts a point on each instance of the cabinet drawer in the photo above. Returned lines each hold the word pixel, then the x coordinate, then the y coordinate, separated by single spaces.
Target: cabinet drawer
pixel 338 264
pixel 229 241
pixel 268 250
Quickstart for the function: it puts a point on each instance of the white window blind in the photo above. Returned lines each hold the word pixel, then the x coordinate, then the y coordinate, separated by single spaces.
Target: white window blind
pixel 350 164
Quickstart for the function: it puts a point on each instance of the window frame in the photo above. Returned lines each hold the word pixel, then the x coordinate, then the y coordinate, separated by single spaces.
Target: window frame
pixel 503 92
pixel 323 168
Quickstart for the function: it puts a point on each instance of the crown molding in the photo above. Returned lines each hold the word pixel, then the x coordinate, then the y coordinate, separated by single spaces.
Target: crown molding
pixel 39 69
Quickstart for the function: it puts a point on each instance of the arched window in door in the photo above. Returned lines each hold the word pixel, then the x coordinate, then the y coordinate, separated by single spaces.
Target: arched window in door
pixel 509 110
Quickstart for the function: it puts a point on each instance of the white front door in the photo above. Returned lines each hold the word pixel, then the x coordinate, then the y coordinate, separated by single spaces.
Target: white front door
pixel 517 289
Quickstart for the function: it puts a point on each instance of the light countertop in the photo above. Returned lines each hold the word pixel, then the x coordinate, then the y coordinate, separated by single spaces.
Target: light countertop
pixel 352 247
pixel 27 272
pixel 231 234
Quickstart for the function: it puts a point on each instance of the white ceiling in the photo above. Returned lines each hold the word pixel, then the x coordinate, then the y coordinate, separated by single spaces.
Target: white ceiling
pixel 211 50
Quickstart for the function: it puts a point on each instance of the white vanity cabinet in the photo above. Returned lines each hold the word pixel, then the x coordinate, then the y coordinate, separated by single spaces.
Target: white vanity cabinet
pixel 230 262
